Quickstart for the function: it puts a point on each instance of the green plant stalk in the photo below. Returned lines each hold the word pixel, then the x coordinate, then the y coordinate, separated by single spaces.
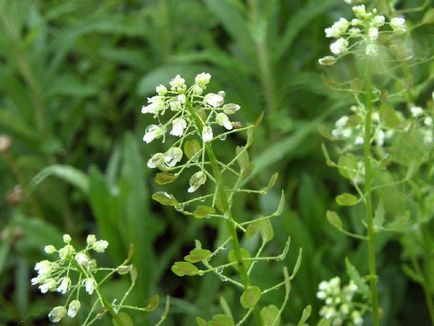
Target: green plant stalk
pixel 371 233
pixel 226 210
pixel 101 297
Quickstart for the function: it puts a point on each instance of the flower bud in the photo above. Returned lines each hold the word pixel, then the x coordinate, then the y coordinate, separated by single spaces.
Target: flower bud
pixel 57 314
pixel 73 308
pixel 5 143
pixel 196 180
pixel 66 238
pixel 100 246
pixel 207 134
pixel 82 258
pixel 90 240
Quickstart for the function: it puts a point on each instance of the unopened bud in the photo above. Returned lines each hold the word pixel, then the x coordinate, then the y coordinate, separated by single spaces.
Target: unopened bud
pixel 5 143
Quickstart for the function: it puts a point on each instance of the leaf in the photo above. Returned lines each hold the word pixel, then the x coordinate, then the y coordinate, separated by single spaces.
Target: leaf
pixel 201 322
pixel 191 147
pixel 334 219
pixel 270 315
pixel 163 178
pixel 197 255
pixel 389 118
pixel 272 181
pixel 348 166
pixel 428 18
pixel 182 268
pixel 244 254
pixel 65 172
pixel 281 206
pixel 164 198
pixel 203 211
pixel 152 303
pixel 357 279
pixel 250 297
pixel 379 216
pixel 346 199
pixel 122 319
pixel 243 158
pixel 264 227
pixel 221 320
pixel 305 315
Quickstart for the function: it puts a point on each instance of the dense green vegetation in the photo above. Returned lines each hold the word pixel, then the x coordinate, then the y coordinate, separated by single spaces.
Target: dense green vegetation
pixel 73 76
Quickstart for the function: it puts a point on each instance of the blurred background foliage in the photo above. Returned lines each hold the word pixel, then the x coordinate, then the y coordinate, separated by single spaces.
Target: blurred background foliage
pixel 73 75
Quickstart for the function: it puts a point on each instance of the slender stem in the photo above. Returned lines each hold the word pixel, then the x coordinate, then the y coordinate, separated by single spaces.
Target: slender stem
pixel 371 233
pixel 225 209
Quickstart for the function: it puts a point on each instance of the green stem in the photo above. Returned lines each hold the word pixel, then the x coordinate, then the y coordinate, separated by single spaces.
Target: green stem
pixel 225 209
pixel 371 233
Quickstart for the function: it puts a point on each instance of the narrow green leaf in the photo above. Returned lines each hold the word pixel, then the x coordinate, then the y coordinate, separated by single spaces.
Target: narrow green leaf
pixel 272 181
pixel 250 297
pixel 305 316
pixel 357 279
pixel 243 159
pixel 428 18
pixel 281 206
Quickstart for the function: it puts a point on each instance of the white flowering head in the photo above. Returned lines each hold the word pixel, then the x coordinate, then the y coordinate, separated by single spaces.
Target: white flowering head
pixel 363 31
pixel 338 302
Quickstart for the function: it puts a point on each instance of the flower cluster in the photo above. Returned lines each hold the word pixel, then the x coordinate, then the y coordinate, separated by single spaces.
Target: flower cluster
pixel 339 306
pixel 426 123
pixel 70 273
pixel 192 114
pixel 363 30
pixel 351 128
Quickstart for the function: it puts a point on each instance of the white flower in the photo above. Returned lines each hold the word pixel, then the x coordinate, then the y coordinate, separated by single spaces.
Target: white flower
pixel 428 137
pixel 328 60
pixel 230 108
pixel 207 134
pixel 161 90
pixel 357 319
pixel 359 140
pixel 177 84
pixel 66 238
pixel 48 285
pixel 65 282
pixel 173 156
pixel 346 133
pixel 398 24
pixel 90 240
pixel 181 98
pixel 155 105
pixel 100 245
pixel 156 160
pixel 416 111
pixel 342 122
pixel 223 120
pixel 196 90
pixel 81 258
pixel 338 28
pixel 44 267
pixel 196 180
pixel 202 79
pixel 371 50
pixel 380 136
pixel 66 252
pixel 178 126
pixel 427 121
pixel 339 46
pixel 153 132
pixel 175 105
pixel 373 33
pixel 215 100
pixel 360 12
pixel 378 21
pixel 356 22
pixel 57 314
pixel 89 285
pixel 73 308
pixel 50 249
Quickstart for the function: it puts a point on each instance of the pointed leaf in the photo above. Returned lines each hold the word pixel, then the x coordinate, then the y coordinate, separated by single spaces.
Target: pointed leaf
pixel 152 303
pixel 334 219
pixel 357 279
pixel 305 316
